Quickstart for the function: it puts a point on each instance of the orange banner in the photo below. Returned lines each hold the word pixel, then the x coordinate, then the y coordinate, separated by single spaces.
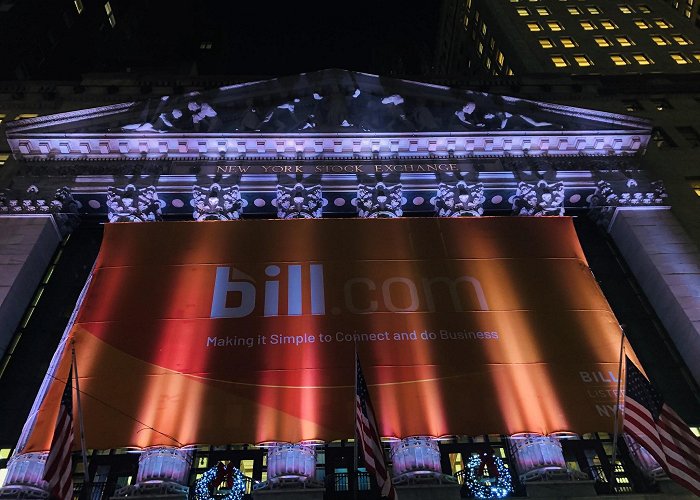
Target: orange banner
pixel 245 331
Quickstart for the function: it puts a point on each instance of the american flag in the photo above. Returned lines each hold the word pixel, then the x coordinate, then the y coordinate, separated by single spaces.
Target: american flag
pixel 655 426
pixel 57 471
pixel 368 437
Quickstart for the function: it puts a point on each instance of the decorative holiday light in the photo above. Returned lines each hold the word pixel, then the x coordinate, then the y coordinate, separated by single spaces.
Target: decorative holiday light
pixel 212 478
pixel 496 485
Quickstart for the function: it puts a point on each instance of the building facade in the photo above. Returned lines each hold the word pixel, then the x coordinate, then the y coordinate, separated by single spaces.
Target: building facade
pixel 343 144
pixel 553 37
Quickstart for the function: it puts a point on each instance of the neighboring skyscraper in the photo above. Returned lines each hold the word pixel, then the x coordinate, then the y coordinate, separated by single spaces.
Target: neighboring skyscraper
pixel 689 9
pixel 564 37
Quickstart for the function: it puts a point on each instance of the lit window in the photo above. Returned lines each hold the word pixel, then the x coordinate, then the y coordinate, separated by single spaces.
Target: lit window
pixel 3 158
pixel 679 58
pixel 574 11
pixel 466 20
pixel 681 40
pixel 559 61
pixel 488 63
pixel 546 43
pixel 522 11
pixel 619 60
pixel 583 60
pixel 483 28
pixel 568 43
pixel 660 103
pixel 592 9
pixel 2 117
pixel 555 26
pixel 625 9
pixel 602 41
pixel 624 41
pixel 543 11
pixel 587 25
pixel 696 56
pixel 480 48
pixel 510 72
pixel 642 24
pixel 644 9
pixel 534 26
pixel 110 15
pixel 608 25
pixel 642 59
pixel 632 105
pixel 78 6
pixel 500 58
pixel 26 115
pixel 659 40
pixel 661 23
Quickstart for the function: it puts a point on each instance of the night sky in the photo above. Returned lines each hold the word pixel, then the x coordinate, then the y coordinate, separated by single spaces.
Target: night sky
pixel 255 38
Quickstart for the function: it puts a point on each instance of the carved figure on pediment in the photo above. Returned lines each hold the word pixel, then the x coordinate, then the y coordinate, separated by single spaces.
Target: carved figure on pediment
pixel 397 119
pixel 539 199
pixel 217 202
pixel 299 202
pixel 251 120
pixel 459 200
pixel 423 117
pixel 337 114
pixel 380 200
pixel 133 205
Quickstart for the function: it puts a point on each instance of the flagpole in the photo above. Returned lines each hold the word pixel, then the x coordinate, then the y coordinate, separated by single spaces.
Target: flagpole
pixel 355 473
pixel 83 449
pixel 616 432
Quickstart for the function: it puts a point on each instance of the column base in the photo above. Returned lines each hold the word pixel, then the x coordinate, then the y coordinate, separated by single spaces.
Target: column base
pixel 431 491
pixel 289 494
pixel 154 490
pixel 669 487
pixel 22 491
pixel 561 489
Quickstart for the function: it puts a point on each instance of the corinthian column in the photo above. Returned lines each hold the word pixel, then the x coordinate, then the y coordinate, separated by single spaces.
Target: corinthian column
pixel 25 477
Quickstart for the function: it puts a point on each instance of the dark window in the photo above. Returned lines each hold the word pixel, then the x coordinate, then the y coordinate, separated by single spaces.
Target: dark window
pixel 690 135
pixel 662 139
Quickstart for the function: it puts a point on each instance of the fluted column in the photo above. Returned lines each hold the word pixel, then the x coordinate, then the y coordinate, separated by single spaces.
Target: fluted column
pixel 414 455
pixel 536 455
pixel 163 471
pixel 295 461
pixel 643 459
pixel 163 463
pixel 25 477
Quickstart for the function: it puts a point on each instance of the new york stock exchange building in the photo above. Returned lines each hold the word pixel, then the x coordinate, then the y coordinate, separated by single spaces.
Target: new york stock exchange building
pixel 236 249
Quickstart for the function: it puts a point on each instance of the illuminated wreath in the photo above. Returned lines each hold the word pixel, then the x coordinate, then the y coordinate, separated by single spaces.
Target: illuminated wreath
pixel 211 479
pixel 496 485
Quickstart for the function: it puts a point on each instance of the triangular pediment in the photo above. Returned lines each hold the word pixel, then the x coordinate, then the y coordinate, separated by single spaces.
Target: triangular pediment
pixel 328 102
